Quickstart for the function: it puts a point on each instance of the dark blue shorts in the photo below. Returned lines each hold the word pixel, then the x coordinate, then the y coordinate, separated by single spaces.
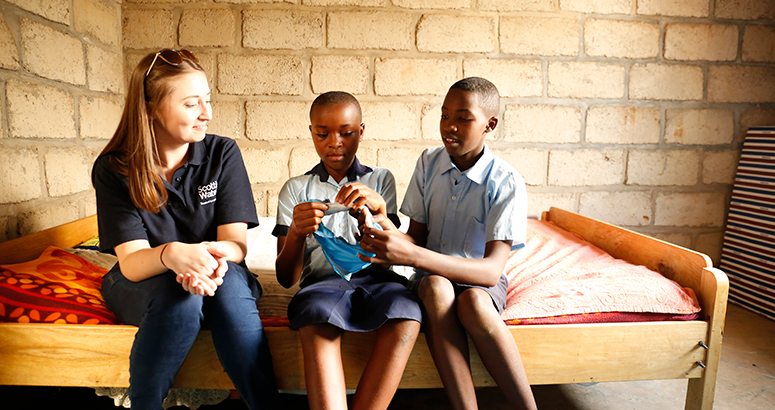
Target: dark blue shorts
pixel 497 293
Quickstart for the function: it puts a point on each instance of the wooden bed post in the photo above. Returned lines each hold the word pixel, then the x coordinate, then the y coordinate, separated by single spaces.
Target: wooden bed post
pixel 701 392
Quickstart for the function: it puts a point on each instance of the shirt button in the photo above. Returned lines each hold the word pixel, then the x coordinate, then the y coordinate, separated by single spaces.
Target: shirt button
pixel 177 179
pixel 341 225
pixel 454 198
pixel 443 242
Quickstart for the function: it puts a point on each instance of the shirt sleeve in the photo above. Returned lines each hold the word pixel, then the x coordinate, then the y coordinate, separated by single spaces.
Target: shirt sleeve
pixel 285 205
pixel 388 193
pixel 118 219
pixel 414 203
pixel 235 197
pixel 507 218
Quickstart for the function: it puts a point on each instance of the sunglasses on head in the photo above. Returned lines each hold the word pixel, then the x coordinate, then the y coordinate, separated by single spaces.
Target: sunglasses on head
pixel 172 57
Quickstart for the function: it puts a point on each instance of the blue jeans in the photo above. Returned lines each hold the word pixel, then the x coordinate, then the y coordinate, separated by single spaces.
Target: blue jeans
pixel 169 319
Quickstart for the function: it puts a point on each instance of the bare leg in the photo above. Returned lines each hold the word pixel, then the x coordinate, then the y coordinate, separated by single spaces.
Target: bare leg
pixel 380 378
pixel 496 346
pixel 323 372
pixel 447 341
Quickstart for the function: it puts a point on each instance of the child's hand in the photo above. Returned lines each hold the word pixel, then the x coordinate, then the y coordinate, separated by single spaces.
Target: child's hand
pixel 307 217
pixel 390 247
pixel 381 219
pixel 356 195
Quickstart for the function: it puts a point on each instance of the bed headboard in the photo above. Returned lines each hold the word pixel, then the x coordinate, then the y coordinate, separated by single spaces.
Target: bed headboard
pixel 636 248
pixel 30 246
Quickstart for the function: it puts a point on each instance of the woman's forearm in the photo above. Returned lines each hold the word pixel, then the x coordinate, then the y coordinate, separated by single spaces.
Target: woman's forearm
pixel 138 261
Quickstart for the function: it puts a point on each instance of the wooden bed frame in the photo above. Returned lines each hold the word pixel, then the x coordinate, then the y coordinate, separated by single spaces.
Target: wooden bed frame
pixel 98 355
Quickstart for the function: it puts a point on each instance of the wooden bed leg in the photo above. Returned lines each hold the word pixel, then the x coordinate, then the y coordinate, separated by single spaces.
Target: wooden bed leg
pixel 701 392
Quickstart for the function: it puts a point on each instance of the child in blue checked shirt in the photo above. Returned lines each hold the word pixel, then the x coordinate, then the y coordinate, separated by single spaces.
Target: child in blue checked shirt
pixel 468 211
pixel 327 304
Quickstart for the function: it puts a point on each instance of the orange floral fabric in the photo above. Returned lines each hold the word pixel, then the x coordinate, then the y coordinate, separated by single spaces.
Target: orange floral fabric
pixel 58 287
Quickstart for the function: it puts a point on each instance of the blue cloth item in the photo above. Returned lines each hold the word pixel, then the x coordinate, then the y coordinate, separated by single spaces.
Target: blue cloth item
pixel 342 256
pixel 317 184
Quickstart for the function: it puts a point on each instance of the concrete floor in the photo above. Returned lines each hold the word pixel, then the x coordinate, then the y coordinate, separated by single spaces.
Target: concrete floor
pixel 746 381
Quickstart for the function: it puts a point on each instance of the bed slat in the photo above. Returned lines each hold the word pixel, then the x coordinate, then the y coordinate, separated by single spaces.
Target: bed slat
pixel 98 355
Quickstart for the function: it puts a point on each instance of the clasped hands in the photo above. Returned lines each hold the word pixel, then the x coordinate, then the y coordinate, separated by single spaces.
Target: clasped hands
pixel 200 267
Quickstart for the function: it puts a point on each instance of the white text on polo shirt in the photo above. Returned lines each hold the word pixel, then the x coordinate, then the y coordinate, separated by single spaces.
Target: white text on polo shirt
pixel 208 191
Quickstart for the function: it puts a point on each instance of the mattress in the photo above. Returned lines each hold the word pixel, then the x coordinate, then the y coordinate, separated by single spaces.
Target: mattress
pixel 748 252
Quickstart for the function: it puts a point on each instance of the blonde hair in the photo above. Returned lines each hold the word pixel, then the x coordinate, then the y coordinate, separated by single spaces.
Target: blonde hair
pixel 132 150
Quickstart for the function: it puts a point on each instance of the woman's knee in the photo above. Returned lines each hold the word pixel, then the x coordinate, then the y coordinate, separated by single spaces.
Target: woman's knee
pixel 239 280
pixel 176 305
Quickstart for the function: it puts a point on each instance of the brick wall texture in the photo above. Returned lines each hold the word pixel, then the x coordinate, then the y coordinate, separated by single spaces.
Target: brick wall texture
pixel 629 111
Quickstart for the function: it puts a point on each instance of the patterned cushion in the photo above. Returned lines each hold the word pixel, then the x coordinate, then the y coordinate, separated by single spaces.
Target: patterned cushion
pixel 58 287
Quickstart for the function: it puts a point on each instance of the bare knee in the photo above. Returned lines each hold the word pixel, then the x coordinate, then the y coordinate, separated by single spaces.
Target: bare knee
pixel 476 311
pixel 318 333
pixel 402 333
pixel 436 290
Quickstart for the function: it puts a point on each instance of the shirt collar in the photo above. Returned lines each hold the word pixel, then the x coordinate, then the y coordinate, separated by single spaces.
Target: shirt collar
pixel 198 154
pixel 476 173
pixel 356 169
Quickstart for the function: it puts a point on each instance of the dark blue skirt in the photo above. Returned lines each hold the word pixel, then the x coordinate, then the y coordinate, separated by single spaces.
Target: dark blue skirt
pixel 364 303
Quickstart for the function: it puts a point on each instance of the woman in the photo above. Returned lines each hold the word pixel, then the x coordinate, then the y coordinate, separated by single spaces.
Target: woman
pixel 174 205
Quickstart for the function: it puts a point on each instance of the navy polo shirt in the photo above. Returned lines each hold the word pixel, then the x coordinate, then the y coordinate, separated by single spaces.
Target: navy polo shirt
pixel 211 189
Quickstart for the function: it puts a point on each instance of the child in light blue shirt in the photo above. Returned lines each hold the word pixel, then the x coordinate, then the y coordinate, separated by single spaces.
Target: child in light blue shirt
pixel 331 301
pixel 468 210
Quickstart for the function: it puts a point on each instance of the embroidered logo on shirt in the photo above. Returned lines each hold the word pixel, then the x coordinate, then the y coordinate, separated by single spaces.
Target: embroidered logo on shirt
pixel 206 192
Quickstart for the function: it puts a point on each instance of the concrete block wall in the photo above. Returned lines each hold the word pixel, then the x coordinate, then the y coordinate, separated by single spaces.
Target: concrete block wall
pixel 61 88
pixel 631 111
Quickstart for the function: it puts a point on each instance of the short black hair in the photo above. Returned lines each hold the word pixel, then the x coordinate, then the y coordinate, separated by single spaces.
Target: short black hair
pixel 334 98
pixel 488 97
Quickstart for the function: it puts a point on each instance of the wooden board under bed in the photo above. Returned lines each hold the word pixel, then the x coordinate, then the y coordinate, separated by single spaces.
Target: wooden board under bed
pixel 98 355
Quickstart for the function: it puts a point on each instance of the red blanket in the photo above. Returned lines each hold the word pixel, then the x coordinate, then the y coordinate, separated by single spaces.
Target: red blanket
pixel 562 278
